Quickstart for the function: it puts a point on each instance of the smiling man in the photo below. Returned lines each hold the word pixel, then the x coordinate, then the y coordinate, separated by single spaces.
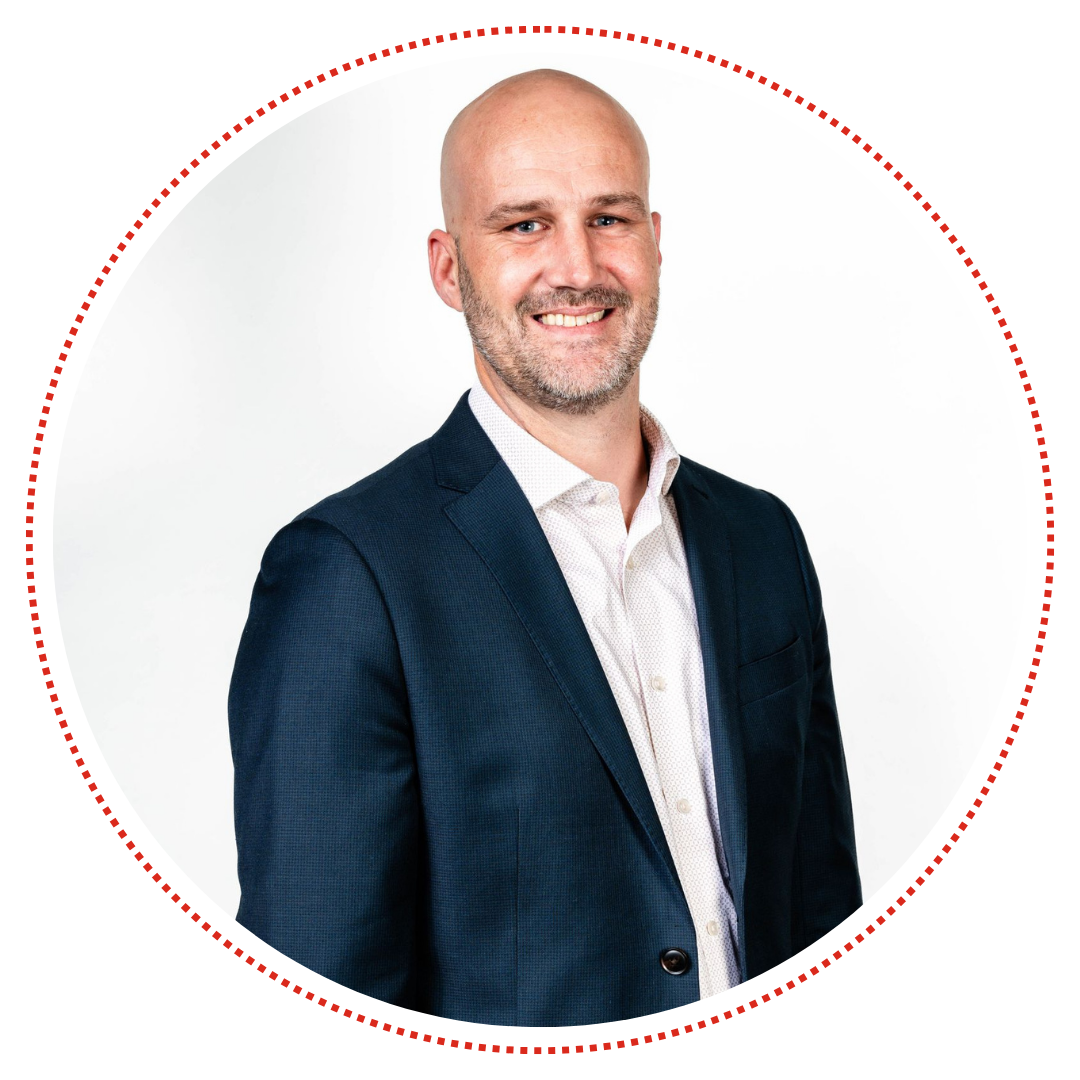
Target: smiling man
pixel 535 725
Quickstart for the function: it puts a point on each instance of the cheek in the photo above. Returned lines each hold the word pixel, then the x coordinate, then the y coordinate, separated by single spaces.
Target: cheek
pixel 635 266
pixel 509 276
pixel 640 281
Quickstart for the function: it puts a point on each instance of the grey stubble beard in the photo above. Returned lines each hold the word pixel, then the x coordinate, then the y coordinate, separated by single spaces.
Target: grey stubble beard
pixel 524 368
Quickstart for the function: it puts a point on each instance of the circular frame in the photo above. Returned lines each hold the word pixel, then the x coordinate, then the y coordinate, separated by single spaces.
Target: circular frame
pixel 812 110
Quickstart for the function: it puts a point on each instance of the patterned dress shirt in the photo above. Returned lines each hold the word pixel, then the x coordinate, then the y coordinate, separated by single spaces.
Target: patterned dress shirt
pixel 632 589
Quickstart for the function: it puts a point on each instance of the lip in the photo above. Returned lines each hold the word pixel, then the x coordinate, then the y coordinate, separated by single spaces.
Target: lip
pixel 600 326
pixel 568 311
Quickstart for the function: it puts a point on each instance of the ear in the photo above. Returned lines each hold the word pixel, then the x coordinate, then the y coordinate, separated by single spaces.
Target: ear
pixel 443 264
pixel 656 233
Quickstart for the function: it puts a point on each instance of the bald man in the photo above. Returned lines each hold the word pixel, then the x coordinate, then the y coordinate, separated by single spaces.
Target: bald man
pixel 535 725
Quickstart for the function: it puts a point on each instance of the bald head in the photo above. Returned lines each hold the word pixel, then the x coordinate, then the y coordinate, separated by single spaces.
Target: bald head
pixel 550 248
pixel 510 113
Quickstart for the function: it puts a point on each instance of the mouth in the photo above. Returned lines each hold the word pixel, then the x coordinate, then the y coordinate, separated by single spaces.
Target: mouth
pixel 568 317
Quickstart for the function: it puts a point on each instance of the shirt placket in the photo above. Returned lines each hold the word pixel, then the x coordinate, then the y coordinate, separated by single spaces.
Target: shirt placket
pixel 667 709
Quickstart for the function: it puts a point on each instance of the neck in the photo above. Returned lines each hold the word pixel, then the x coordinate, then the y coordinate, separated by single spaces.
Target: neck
pixel 607 444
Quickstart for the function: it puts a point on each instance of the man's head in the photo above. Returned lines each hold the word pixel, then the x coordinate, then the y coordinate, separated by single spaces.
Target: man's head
pixel 545 189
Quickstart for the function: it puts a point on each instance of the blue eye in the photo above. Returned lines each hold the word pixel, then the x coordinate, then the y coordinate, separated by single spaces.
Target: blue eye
pixel 525 228
pixel 607 219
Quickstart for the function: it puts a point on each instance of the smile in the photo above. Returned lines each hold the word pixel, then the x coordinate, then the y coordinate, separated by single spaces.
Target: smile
pixel 560 319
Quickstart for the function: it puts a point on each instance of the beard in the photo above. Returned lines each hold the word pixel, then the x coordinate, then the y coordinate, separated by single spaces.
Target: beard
pixel 590 373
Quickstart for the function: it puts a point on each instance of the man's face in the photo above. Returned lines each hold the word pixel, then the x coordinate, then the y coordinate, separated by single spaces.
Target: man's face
pixel 558 258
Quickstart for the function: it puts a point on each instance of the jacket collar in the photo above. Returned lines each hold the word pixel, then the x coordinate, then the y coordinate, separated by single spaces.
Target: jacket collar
pixel 706 540
pixel 460 451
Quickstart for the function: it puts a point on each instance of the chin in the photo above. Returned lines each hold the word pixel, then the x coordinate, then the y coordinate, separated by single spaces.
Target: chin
pixel 584 394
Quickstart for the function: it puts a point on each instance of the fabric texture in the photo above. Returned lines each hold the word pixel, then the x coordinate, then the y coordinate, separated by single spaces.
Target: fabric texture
pixel 438 801
pixel 632 590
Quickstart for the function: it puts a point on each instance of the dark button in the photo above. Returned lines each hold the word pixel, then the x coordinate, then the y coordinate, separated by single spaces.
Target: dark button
pixel 675 961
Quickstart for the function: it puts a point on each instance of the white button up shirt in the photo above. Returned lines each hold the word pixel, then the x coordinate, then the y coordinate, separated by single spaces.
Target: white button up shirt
pixel 633 592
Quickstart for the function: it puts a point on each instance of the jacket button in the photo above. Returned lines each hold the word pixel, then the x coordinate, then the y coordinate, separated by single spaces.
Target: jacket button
pixel 675 961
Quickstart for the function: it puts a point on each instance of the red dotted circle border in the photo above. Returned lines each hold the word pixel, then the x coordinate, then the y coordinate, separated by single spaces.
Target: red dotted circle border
pixel 856 141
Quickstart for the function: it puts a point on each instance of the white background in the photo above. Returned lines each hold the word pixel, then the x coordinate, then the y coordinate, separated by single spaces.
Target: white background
pixel 970 106
pixel 281 339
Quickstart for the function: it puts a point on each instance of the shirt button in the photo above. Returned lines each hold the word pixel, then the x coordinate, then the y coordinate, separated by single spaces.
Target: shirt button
pixel 713 927
pixel 683 806
pixel 630 564
pixel 603 495
pixel 658 682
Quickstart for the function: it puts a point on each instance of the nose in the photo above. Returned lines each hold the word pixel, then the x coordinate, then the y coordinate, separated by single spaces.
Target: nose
pixel 574 263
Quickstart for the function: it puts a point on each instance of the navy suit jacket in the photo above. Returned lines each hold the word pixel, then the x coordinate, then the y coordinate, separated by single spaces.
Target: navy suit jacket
pixel 437 801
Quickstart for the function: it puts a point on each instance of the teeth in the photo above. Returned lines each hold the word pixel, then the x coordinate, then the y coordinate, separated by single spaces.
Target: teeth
pixel 571 320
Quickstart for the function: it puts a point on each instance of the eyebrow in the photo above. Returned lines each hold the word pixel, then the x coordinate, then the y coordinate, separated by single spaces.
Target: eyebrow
pixel 507 211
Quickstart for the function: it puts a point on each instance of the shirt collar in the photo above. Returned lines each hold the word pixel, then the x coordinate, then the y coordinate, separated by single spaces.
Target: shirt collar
pixel 542 474
pixel 664 459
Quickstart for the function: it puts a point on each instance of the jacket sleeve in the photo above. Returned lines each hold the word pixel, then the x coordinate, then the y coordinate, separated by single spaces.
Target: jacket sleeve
pixel 826 887
pixel 325 791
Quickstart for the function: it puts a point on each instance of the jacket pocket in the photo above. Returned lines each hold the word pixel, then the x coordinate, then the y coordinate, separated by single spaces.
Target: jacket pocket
pixel 771 674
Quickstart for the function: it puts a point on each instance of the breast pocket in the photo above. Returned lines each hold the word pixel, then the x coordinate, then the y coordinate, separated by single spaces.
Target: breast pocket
pixel 771 674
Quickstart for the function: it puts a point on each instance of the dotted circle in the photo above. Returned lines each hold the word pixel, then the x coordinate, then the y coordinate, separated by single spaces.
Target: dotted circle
pixel 872 155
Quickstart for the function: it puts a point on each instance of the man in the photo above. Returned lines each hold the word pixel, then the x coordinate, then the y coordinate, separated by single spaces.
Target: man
pixel 535 725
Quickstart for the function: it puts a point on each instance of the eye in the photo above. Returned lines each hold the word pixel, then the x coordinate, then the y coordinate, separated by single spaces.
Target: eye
pixel 523 228
pixel 607 219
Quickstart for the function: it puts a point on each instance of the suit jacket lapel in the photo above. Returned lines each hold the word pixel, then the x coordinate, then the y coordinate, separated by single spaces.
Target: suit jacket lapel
pixel 497 520
pixel 708 557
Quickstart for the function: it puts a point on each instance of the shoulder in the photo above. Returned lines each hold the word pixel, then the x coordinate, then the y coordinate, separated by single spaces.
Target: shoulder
pixel 397 494
pixel 328 538
pixel 744 507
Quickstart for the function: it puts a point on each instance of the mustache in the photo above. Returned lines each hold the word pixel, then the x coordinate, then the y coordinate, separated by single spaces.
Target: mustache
pixel 537 303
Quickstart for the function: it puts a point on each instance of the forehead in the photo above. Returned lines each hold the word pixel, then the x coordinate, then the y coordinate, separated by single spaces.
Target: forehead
pixel 559 147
